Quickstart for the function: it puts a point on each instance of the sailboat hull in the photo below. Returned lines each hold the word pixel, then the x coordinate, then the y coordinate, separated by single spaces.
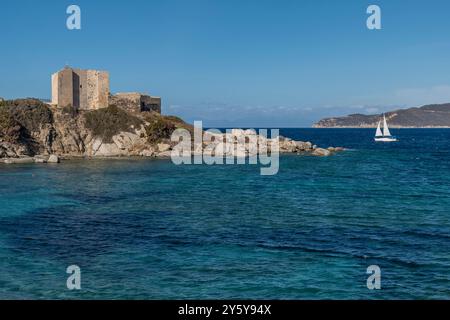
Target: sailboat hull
pixel 385 135
pixel 386 139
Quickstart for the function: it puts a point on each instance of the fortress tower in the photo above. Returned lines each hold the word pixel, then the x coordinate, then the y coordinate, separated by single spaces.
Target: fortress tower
pixel 82 89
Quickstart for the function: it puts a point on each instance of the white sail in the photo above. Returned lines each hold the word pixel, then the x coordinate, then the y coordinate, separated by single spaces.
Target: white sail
pixel 379 133
pixel 386 131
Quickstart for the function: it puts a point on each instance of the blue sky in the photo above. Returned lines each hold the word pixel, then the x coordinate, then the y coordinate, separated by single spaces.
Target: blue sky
pixel 250 63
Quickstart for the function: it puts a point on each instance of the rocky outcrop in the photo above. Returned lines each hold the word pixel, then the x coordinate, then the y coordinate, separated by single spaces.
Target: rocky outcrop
pixel 292 146
pixel 11 150
pixel 31 131
pixel 221 146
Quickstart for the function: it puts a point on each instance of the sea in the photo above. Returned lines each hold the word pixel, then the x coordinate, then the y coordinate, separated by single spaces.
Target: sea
pixel 149 229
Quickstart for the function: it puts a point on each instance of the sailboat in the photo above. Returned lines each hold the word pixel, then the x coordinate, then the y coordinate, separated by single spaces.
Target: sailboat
pixel 385 135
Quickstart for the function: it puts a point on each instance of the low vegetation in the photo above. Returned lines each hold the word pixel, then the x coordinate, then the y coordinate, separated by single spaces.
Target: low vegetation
pixel 10 129
pixel 69 111
pixel 22 122
pixel 159 130
pixel 106 123
pixel 20 118
pixel 161 127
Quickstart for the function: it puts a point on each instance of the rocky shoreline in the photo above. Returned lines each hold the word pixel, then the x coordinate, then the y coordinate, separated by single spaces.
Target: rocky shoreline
pixel 34 132
pixel 287 146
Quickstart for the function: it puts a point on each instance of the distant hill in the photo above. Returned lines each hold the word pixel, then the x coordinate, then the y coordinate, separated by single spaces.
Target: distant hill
pixel 429 116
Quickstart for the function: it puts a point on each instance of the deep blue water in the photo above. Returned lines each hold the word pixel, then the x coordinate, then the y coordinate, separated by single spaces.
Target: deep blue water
pixel 148 229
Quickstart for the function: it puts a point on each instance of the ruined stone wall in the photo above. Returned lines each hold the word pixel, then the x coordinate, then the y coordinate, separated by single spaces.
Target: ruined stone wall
pixel 154 104
pixel 149 103
pixel 136 102
pixel 127 101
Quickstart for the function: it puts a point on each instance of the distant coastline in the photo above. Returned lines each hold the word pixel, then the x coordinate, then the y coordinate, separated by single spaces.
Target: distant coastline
pixel 431 116
pixel 374 127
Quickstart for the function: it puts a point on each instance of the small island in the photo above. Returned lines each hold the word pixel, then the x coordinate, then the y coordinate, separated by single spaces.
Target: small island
pixel 84 120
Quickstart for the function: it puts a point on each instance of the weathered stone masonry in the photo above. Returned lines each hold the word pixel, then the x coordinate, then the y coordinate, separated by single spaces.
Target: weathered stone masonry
pixel 136 102
pixel 82 89
pixel 89 90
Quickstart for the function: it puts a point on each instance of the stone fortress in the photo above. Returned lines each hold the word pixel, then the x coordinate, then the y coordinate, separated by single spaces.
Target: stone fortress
pixel 89 90
pixel 81 89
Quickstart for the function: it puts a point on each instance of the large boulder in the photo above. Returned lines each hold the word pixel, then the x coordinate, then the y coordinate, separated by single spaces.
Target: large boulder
pixel 303 146
pixel 125 140
pixel 321 152
pixel 163 147
pixel 149 152
pixel 290 146
pixel 109 150
pixel 287 145
pixel 53 158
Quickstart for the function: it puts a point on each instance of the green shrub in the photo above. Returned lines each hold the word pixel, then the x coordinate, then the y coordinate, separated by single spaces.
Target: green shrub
pixel 10 129
pixel 174 119
pixel 32 117
pixel 69 111
pixel 159 129
pixel 106 123
pixel 19 118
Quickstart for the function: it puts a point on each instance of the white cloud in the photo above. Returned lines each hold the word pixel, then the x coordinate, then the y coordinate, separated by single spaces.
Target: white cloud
pixel 421 96
pixel 372 110
pixel 219 114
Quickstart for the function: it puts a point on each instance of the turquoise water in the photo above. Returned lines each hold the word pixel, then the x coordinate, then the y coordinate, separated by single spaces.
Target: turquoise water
pixel 147 229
